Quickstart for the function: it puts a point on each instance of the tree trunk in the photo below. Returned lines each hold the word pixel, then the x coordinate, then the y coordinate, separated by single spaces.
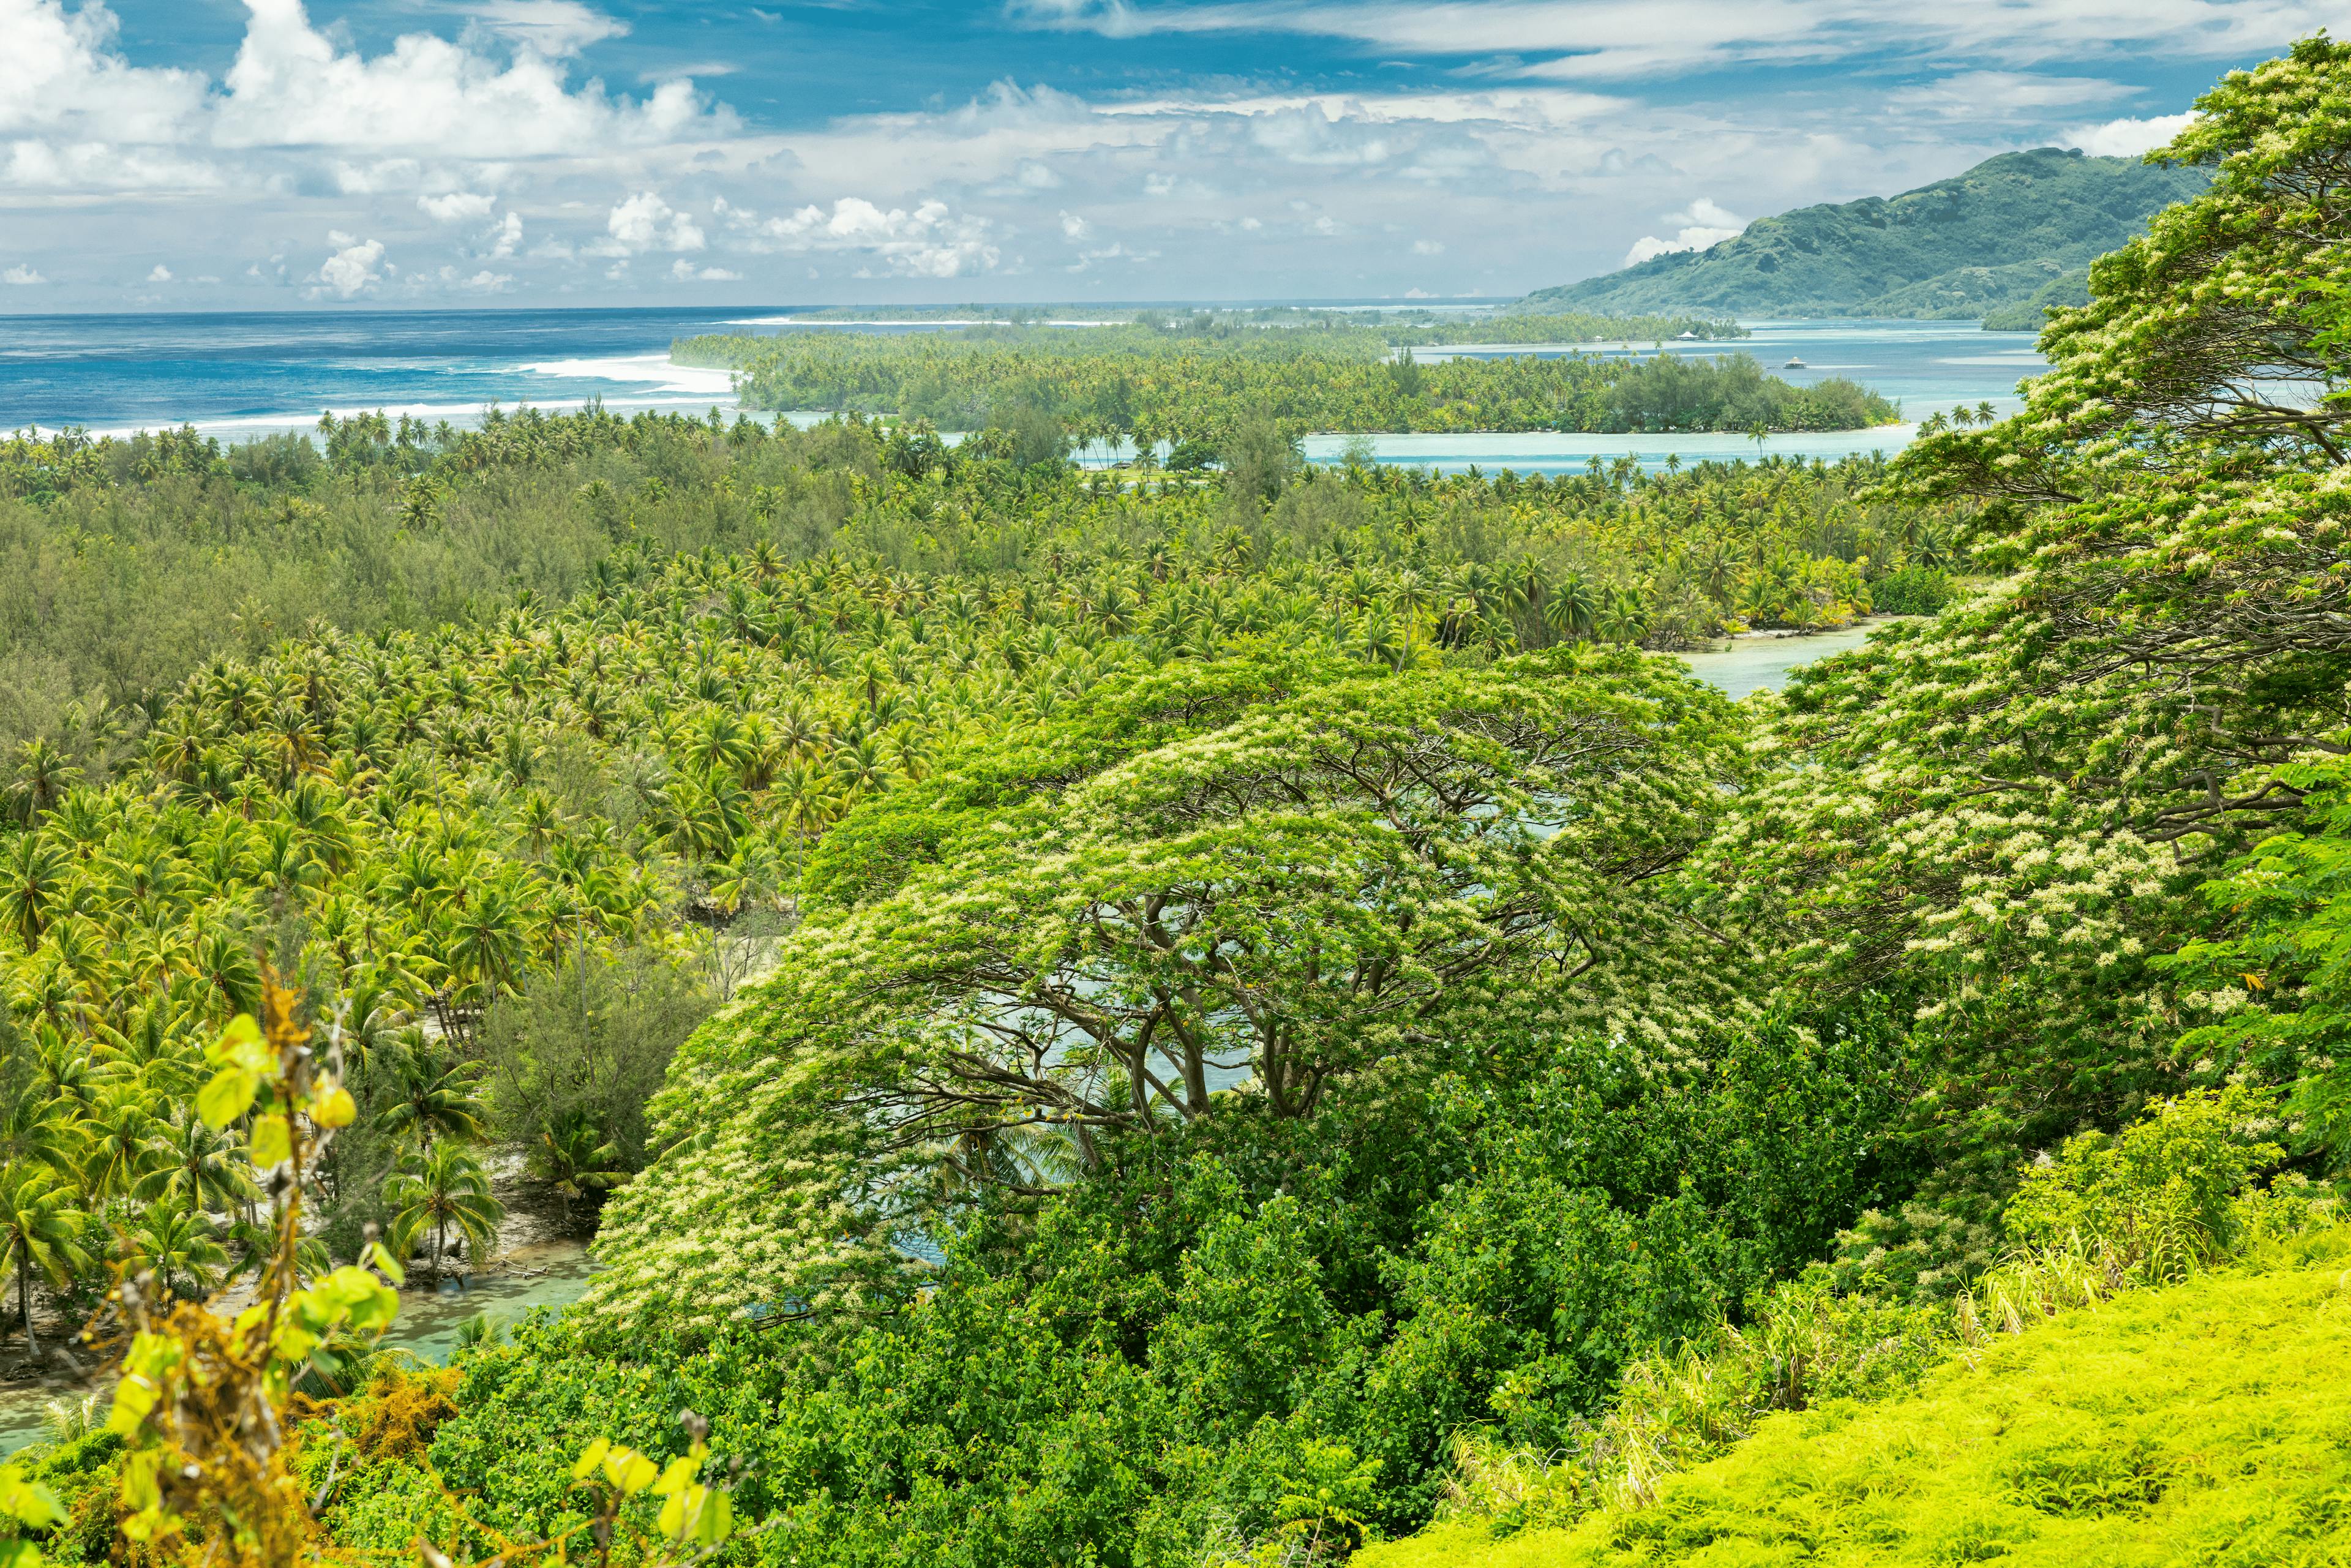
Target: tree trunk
pixel 25 1304
pixel 440 1247
pixel 1196 1078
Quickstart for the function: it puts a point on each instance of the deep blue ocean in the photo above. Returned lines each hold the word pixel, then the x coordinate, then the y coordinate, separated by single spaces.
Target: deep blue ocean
pixel 248 374
pixel 229 374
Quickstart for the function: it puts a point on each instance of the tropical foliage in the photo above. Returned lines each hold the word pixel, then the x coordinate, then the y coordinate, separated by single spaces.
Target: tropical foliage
pixel 1158 1018
pixel 1169 385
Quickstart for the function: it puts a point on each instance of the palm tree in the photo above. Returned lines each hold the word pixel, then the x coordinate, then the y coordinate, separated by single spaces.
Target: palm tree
pixel 1573 607
pixel 443 1189
pixel 38 1228
pixel 432 1097
pixel 36 1129
pixel 32 874
pixel 43 776
pixel 488 940
pixel 181 1245
pixel 199 1167
pixel 568 1159
pixel 125 1142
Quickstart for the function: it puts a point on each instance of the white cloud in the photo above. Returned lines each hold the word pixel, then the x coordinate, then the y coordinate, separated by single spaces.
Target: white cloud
pixel 161 275
pixel 98 168
pixel 1596 40
pixel 292 87
pixel 556 28
pixel 2005 96
pixel 482 282
pixel 1115 251
pixel 2126 138
pixel 77 117
pixel 930 241
pixel 351 271
pixel 22 277
pixel 1507 158
pixel 60 73
pixel 646 221
pixel 685 271
pixel 456 207
pixel 1703 223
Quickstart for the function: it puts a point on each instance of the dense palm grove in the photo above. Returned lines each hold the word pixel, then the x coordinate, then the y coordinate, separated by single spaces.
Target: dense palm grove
pixel 1196 384
pixel 447 833
pixel 1185 1018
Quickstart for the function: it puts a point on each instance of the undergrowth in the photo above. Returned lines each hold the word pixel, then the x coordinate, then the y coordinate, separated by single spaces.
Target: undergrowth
pixel 2165 1202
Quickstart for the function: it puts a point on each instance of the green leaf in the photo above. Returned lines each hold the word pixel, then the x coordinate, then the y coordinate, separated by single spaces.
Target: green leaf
pixel 380 1256
pixel 135 1396
pixel 228 1096
pixel 240 1045
pixel 29 1502
pixel 273 1142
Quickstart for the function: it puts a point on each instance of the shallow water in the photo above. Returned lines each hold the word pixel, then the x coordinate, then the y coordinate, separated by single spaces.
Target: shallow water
pixel 238 376
pixel 1925 367
pixel 541 1274
pixel 1763 663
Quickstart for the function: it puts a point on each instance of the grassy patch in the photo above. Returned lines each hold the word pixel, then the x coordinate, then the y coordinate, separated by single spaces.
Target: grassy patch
pixel 2206 1423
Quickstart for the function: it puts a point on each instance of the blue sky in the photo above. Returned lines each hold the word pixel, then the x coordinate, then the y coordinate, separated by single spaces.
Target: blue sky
pixel 262 154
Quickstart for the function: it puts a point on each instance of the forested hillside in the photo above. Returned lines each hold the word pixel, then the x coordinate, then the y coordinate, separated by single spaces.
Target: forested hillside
pixel 1988 240
pixel 1235 1017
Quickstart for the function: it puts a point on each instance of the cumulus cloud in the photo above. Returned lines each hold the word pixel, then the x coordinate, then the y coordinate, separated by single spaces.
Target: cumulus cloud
pixel 352 270
pixel 292 87
pixel 1703 223
pixel 2126 138
pixel 644 222
pixel 456 207
pixel 61 73
pixel 161 275
pixel 78 119
pixel 930 241
pixel 1507 156
pixel 22 277
pixel 685 271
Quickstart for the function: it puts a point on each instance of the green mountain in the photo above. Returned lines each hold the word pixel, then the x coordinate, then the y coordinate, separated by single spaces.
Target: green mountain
pixel 1993 240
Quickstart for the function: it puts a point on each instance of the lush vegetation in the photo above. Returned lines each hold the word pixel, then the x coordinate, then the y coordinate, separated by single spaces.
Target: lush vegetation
pixel 1234 1015
pixel 1400 328
pixel 1991 240
pixel 522 854
pixel 2194 1421
pixel 1206 382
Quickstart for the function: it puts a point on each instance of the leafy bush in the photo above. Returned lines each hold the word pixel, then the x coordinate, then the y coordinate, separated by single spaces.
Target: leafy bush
pixel 1911 590
pixel 2156 1202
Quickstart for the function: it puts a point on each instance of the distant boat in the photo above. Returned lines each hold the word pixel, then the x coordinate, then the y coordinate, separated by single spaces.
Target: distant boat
pixel 1796 365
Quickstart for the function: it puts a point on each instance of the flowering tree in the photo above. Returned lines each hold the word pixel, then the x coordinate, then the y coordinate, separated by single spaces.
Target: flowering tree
pixel 2007 814
pixel 1270 883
